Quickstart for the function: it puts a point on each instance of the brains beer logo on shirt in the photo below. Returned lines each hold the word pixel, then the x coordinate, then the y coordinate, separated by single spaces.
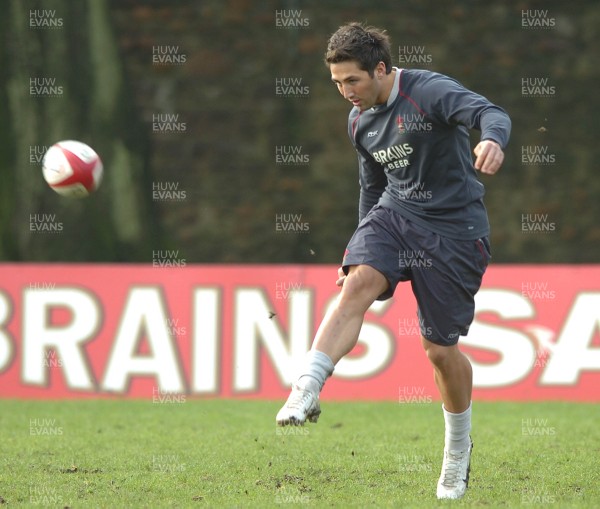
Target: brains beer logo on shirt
pixel 394 156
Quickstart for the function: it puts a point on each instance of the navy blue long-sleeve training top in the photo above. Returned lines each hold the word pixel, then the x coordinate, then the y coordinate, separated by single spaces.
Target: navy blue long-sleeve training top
pixel 414 152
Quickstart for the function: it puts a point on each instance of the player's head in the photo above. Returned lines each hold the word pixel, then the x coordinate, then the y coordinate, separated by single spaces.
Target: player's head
pixel 359 60
pixel 367 46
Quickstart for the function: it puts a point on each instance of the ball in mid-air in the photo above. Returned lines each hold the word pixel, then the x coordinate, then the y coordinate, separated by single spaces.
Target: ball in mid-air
pixel 72 168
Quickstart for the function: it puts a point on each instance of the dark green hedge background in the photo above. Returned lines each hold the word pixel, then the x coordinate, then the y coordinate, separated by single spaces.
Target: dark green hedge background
pixel 227 121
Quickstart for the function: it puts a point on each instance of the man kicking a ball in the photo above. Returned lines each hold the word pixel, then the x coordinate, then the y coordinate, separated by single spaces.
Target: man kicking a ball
pixel 419 198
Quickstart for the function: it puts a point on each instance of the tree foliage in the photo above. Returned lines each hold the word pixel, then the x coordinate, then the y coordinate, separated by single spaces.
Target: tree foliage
pixel 231 122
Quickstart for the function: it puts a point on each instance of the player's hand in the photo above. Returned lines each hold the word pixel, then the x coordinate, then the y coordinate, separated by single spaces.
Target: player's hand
pixel 489 157
pixel 341 277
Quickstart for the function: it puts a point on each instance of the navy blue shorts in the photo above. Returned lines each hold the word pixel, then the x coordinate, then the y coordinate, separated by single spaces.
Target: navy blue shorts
pixel 445 273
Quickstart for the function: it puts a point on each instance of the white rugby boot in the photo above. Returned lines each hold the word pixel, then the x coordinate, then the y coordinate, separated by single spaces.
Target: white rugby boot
pixel 454 478
pixel 301 404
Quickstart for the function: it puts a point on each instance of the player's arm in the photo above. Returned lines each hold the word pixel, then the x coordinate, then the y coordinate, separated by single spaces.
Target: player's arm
pixel 457 105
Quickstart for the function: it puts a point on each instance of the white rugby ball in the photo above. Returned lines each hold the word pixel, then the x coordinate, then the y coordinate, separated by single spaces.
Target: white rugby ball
pixel 72 168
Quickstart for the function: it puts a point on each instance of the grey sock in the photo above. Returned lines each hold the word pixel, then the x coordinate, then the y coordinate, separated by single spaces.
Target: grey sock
pixel 317 367
pixel 458 427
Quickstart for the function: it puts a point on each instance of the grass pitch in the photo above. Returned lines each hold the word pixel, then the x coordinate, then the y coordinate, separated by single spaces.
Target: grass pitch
pixel 223 453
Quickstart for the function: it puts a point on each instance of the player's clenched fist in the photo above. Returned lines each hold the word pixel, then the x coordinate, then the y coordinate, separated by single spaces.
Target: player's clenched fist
pixel 489 157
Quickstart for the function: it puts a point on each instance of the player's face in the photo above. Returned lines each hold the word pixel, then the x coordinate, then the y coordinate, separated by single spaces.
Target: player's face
pixel 355 84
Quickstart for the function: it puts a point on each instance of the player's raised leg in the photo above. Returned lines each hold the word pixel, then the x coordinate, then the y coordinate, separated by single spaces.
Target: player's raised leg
pixel 453 376
pixel 336 336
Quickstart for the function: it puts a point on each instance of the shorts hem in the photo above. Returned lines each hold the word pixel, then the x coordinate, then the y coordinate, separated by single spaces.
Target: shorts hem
pixel 441 342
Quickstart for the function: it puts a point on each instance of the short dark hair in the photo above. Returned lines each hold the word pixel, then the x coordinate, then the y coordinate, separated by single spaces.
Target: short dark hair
pixel 366 45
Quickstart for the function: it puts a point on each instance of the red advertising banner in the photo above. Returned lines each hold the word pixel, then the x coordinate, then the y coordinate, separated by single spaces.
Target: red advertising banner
pixel 145 331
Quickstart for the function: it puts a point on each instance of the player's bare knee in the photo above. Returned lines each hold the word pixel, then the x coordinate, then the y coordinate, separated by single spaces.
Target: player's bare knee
pixel 438 355
pixel 354 294
pixel 363 285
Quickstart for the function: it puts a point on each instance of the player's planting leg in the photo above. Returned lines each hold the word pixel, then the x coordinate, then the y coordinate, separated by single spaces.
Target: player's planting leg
pixel 303 402
pixel 454 377
pixel 336 337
